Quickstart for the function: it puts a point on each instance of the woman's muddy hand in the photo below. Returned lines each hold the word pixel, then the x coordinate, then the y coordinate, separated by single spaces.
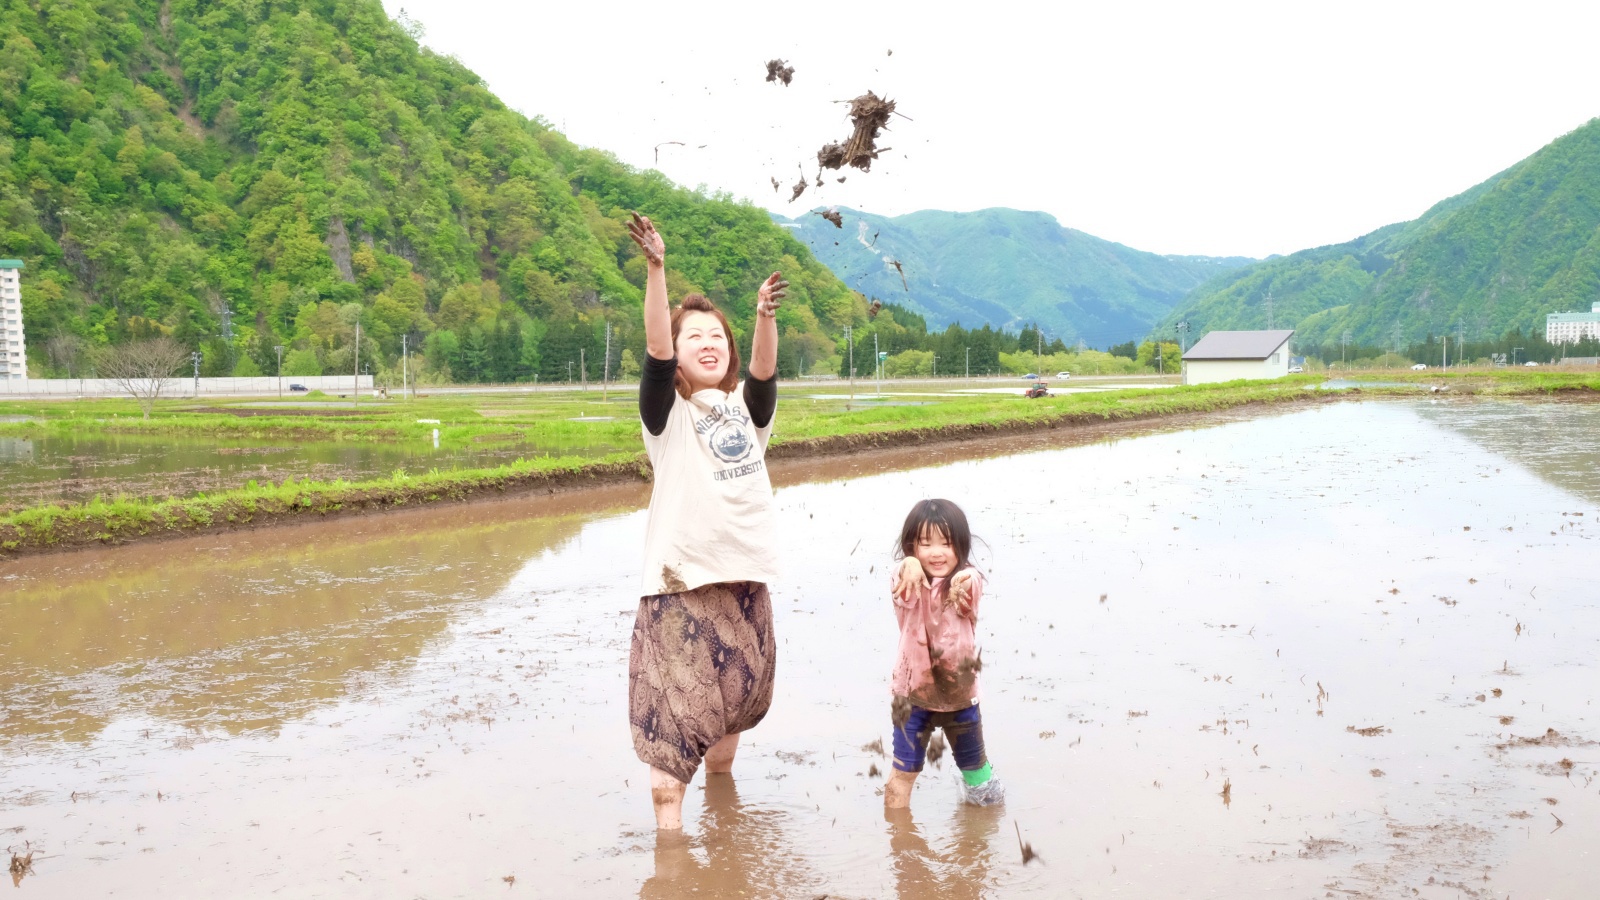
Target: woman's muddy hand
pixel 909 579
pixel 770 296
pixel 644 234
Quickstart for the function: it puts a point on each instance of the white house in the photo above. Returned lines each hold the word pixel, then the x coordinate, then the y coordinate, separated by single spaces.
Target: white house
pixel 1231 355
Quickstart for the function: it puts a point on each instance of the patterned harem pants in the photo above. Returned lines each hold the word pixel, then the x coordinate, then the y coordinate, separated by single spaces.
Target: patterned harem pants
pixel 701 668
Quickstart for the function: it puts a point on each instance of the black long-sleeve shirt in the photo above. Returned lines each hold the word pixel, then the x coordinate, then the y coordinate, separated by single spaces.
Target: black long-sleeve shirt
pixel 656 389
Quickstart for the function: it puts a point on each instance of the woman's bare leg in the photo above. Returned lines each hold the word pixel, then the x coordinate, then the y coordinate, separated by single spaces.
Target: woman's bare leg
pixel 897 790
pixel 719 759
pixel 666 792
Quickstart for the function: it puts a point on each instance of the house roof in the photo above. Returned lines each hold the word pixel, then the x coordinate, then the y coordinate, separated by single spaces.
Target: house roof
pixel 1238 344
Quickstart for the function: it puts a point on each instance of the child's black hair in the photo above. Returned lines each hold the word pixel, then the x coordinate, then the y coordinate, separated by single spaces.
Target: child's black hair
pixel 947 519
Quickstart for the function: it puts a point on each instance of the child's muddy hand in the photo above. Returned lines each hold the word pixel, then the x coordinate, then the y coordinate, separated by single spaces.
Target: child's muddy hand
pixel 909 578
pixel 961 591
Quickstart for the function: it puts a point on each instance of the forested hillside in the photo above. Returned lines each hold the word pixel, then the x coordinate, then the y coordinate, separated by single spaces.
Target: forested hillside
pixel 243 176
pixel 1007 267
pixel 1494 259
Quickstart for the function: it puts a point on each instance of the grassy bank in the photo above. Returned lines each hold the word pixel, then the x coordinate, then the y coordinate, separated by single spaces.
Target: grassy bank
pixel 810 426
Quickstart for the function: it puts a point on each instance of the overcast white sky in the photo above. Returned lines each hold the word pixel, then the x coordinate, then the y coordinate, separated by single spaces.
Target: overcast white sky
pixel 1216 128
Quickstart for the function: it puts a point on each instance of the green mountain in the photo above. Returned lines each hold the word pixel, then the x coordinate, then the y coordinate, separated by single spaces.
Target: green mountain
pixel 244 176
pixel 1007 267
pixel 1497 257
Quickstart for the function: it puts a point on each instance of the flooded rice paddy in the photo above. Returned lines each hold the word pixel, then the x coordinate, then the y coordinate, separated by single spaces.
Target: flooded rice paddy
pixel 1347 651
pixel 50 468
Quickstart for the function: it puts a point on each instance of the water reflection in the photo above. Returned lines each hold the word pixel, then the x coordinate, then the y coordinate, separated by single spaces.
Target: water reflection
pixel 55 467
pixel 1555 439
pixel 747 850
pixel 959 869
pixel 16 450
pixel 242 635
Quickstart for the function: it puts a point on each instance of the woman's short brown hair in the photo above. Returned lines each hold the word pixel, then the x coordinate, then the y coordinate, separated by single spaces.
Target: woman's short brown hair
pixel 700 303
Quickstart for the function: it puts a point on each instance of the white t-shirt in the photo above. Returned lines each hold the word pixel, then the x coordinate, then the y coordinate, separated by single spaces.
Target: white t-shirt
pixel 711 507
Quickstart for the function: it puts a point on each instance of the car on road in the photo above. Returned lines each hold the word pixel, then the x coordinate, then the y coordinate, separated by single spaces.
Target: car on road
pixel 1296 370
pixel 1419 367
pixel 1063 374
pixel 1530 364
pixel 1031 376
pixel 298 387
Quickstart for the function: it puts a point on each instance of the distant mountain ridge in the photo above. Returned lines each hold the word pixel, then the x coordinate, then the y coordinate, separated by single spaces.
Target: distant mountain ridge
pixel 1008 268
pixel 1496 257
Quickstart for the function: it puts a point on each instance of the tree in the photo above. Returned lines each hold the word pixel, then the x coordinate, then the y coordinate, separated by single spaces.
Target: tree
pixel 908 363
pixel 142 369
pixel 66 352
pixel 301 362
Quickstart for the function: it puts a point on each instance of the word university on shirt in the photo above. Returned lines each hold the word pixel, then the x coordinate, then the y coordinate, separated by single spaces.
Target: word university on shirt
pixel 727 434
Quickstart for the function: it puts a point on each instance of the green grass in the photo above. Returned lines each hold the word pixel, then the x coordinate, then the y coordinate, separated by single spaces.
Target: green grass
pixel 121 519
pixel 546 417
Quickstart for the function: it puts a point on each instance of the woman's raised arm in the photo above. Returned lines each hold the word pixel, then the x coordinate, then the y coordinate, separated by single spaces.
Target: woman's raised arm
pixel 657 318
pixel 764 344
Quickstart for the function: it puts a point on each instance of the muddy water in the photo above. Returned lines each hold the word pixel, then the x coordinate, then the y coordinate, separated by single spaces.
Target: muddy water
pixel 48 468
pixel 1182 629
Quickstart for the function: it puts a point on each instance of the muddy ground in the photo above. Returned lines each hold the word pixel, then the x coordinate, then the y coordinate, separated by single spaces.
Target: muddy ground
pixel 1345 650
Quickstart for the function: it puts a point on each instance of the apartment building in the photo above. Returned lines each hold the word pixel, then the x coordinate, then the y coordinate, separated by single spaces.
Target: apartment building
pixel 13 353
pixel 1571 327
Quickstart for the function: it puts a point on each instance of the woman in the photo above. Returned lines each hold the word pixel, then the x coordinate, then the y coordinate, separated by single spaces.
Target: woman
pixel 703 656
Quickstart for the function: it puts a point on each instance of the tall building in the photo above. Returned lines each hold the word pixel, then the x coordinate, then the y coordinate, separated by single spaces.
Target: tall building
pixel 1569 328
pixel 13 354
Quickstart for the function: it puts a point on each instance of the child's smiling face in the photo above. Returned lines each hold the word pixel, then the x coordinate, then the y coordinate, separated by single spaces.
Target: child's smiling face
pixel 935 552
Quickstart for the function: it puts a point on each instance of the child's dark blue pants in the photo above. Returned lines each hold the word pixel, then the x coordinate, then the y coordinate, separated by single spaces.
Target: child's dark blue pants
pixel 963 729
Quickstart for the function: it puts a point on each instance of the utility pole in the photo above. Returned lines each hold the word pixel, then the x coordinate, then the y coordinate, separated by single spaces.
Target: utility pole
pixel 1344 339
pixel 569 371
pixel 405 375
pixel 279 350
pixel 877 362
pixel 849 339
pixel 969 366
pixel 583 367
pixel 1270 321
pixel 936 365
pixel 1461 341
pixel 605 370
pixel 227 334
pixel 357 373
pixel 1444 340
pixel 194 357
pixel 1038 349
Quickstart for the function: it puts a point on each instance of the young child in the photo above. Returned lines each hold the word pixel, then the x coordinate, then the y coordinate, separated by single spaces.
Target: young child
pixel 935 681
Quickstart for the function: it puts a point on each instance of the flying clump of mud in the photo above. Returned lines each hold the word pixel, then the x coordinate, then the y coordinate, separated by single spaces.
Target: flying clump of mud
pixel 870 114
pixel 832 215
pixel 777 71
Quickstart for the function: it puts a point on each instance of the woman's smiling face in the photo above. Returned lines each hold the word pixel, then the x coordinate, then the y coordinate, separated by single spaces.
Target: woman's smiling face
pixel 702 350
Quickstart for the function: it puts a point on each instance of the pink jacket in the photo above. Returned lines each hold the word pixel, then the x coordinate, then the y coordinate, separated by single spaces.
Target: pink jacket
pixel 937 663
